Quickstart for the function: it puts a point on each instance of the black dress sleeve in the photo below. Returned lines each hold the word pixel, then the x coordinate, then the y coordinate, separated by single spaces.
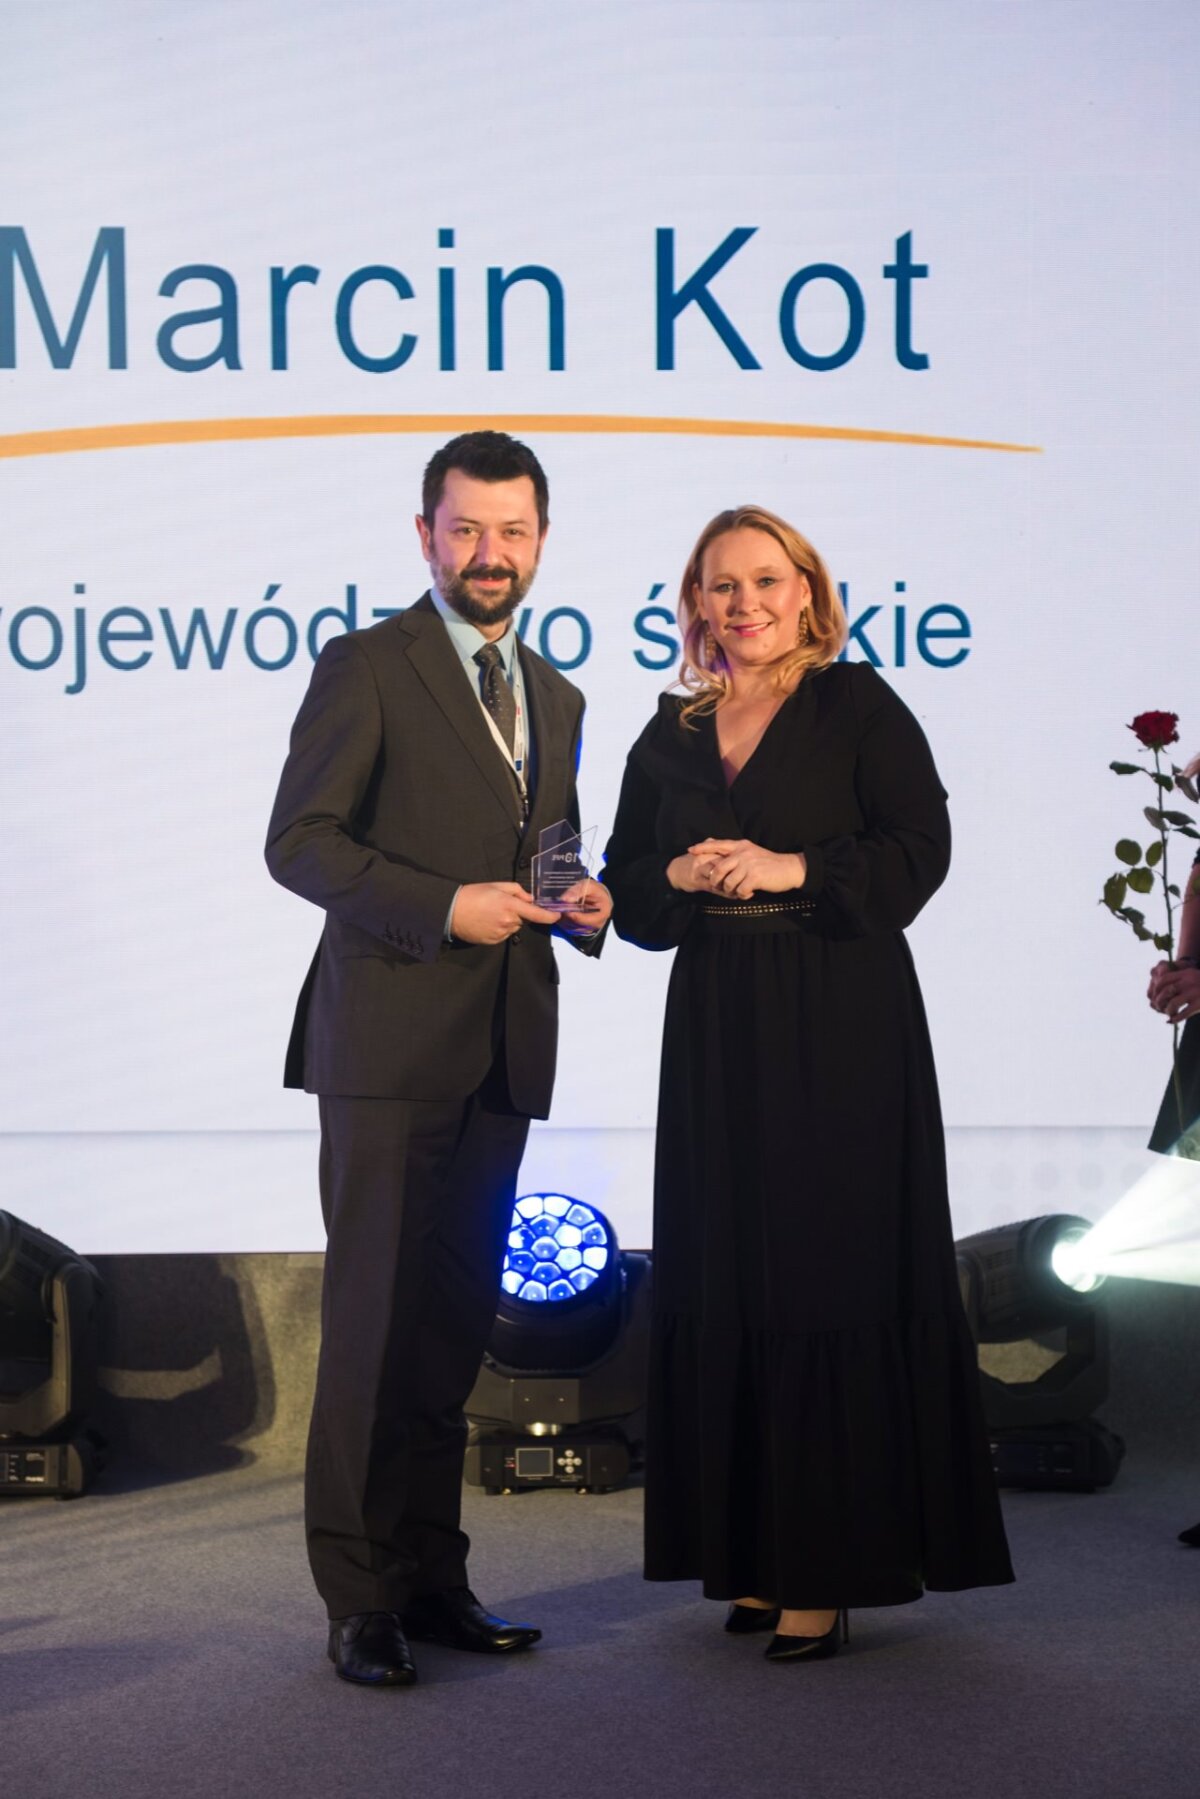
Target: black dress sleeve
pixel 879 878
pixel 647 910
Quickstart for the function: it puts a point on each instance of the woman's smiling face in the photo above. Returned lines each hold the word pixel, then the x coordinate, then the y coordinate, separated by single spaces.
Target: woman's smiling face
pixel 751 597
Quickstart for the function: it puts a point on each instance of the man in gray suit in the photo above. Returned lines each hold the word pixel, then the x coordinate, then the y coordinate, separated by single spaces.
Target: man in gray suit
pixel 428 754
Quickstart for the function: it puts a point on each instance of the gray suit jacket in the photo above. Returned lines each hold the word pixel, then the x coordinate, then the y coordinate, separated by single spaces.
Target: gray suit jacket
pixel 393 793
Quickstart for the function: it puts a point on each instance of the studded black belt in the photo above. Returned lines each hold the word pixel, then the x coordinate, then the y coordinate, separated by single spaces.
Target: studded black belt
pixel 753 909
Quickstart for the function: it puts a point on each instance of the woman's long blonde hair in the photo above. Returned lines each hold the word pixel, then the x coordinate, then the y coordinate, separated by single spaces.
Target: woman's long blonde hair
pixel 704 670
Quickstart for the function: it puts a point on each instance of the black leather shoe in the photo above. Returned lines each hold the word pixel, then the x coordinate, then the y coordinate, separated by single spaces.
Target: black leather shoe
pixel 809 1649
pixel 369 1648
pixel 744 1620
pixel 455 1619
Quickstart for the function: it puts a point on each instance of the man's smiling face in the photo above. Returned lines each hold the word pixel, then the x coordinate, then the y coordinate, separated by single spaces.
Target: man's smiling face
pixel 483 545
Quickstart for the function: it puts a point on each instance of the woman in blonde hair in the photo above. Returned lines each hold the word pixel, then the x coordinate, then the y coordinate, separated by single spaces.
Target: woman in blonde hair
pixel 815 1438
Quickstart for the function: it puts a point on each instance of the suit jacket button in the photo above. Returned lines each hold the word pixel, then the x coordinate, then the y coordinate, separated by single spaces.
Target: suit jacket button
pixel 515 938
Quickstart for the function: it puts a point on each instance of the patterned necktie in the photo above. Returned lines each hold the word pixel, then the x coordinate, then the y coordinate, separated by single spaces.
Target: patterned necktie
pixel 497 694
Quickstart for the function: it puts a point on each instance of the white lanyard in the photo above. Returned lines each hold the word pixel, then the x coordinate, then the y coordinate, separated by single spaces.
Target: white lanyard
pixel 516 757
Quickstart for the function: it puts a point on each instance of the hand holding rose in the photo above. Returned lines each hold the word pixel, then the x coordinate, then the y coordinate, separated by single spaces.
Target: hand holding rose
pixel 1174 991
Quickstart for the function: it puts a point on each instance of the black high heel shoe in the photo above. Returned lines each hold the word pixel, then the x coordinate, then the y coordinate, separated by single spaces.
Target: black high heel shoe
pixel 744 1620
pixel 809 1649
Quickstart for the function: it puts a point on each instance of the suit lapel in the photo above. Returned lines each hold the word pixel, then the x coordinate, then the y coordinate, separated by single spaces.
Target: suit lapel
pixel 436 661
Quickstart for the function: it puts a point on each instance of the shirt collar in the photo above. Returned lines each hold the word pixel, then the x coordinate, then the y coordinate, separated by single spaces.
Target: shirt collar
pixel 468 641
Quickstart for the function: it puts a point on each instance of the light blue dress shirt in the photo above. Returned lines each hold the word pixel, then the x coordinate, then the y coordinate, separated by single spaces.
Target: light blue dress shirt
pixel 468 642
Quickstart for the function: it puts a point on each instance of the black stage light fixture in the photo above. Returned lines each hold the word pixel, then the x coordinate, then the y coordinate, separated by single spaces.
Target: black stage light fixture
pixel 560 1399
pixel 49 1299
pixel 1038 1318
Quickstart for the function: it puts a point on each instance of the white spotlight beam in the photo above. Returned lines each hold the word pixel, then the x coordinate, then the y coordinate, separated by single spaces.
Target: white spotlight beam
pixel 1152 1233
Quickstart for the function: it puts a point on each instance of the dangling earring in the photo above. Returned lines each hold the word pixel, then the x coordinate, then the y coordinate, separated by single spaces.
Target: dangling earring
pixel 803 629
pixel 710 647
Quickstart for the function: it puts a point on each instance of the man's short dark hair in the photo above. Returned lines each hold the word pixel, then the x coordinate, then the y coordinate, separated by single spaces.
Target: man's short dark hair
pixel 485 456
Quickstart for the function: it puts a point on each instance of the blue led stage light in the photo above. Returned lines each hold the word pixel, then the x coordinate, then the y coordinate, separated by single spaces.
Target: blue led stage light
pixel 557 1249
pixel 560 1398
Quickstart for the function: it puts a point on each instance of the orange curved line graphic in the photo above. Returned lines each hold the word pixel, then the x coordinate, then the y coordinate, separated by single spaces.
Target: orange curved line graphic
pixel 389 424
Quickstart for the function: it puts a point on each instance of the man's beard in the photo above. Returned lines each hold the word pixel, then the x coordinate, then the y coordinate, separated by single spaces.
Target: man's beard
pixel 476 609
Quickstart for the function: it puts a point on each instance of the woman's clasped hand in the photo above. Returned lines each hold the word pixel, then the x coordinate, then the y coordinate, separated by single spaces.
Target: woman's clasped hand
pixel 736 869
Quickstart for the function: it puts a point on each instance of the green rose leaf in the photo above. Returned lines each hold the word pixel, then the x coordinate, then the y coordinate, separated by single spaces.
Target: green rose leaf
pixel 1154 855
pixel 1155 817
pixel 1187 788
pixel 1129 851
pixel 1141 879
pixel 1173 890
pixel 1163 942
pixel 1177 818
pixel 1114 892
pixel 1126 768
pixel 1164 781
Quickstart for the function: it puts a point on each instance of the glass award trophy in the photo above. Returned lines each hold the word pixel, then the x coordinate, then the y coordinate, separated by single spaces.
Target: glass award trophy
pixel 561 866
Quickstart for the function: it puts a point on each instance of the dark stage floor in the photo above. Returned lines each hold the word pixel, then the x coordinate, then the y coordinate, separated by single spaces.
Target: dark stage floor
pixel 166 1640
pixel 161 1636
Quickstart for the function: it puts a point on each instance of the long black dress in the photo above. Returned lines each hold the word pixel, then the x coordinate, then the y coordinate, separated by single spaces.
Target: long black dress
pixel 815 1433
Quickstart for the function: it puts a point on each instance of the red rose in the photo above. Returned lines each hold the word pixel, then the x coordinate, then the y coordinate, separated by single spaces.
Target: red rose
pixel 1156 729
